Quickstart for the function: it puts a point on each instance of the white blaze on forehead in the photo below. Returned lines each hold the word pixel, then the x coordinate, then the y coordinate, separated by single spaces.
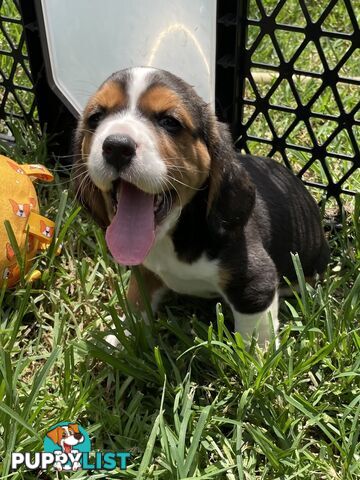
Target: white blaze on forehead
pixel 137 84
pixel 148 169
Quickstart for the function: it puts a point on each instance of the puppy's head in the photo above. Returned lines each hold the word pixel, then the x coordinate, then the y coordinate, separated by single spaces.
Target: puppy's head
pixel 145 144
pixel 66 436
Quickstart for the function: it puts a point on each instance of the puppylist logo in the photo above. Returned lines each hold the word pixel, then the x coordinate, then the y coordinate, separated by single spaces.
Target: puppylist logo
pixel 67 446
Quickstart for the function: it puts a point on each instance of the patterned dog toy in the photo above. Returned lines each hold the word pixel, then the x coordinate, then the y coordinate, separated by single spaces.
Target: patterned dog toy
pixel 19 205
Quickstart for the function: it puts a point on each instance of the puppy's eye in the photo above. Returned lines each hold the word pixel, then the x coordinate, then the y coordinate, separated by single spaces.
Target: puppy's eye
pixel 94 119
pixel 170 124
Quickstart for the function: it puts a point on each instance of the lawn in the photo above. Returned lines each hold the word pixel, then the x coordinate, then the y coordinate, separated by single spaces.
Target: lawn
pixel 183 394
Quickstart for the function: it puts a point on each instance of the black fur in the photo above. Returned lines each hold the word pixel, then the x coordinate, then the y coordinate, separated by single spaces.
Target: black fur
pixel 260 214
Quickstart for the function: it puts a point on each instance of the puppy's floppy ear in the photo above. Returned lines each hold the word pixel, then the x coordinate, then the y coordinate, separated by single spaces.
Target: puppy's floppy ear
pixel 75 427
pixel 55 435
pixel 86 191
pixel 231 191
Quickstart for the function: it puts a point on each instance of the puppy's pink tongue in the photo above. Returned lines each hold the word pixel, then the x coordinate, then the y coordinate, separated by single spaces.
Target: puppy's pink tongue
pixel 132 231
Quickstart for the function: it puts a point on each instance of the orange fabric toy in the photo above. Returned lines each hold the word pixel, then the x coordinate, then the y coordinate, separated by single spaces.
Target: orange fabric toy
pixel 19 205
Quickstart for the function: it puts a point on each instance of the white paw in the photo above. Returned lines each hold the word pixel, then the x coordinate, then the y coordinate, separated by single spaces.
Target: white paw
pixel 112 340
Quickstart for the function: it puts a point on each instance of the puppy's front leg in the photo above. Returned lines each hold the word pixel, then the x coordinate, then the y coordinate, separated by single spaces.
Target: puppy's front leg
pixel 250 288
pixel 262 324
pixel 153 287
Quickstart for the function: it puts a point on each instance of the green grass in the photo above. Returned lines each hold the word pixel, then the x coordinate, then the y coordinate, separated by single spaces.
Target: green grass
pixel 183 395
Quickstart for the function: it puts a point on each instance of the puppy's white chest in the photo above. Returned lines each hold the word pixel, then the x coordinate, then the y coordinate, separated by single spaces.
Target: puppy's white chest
pixel 199 278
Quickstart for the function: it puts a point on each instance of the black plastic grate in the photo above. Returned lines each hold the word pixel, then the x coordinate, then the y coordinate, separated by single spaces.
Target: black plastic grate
pixel 288 77
pixel 295 70
pixel 17 96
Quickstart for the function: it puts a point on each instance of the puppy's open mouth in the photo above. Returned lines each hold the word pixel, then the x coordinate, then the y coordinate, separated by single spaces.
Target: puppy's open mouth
pixel 162 201
pixel 67 448
pixel 136 215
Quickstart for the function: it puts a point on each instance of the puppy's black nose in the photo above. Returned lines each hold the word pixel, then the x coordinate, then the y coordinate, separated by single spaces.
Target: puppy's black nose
pixel 118 150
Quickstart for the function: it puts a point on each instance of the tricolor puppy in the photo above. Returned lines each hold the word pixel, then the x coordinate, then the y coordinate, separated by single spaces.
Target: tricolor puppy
pixel 161 175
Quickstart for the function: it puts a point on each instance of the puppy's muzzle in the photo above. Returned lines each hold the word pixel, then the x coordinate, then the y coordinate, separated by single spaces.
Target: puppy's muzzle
pixel 118 151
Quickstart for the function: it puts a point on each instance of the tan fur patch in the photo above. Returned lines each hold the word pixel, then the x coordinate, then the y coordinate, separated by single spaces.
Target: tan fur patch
pixel 109 96
pixel 161 99
pixel 86 145
pixel 186 157
pixel 152 283
pixel 224 278
pixel 188 164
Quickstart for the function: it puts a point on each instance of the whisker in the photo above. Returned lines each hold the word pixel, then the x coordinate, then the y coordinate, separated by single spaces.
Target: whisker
pixel 169 177
pixel 85 183
pixel 85 130
pixel 177 193
pixel 178 170
pixel 69 156
pixel 187 169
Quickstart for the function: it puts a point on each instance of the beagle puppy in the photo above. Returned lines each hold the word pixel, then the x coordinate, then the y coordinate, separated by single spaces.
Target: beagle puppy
pixel 160 174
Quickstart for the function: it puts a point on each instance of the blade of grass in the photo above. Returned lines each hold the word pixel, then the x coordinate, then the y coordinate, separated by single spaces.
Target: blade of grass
pixel 196 438
pixel 145 462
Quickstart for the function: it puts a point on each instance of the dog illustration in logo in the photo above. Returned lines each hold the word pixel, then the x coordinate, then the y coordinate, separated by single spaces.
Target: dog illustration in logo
pixel 66 436
pixel 46 230
pixel 20 209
